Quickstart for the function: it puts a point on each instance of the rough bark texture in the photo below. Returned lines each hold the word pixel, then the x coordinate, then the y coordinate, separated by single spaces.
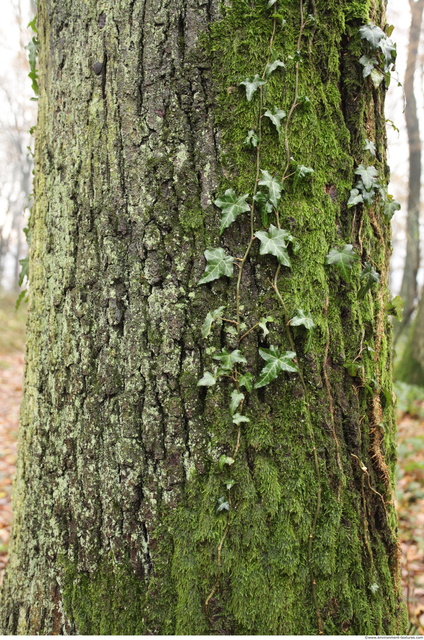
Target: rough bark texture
pixel 409 288
pixel 141 125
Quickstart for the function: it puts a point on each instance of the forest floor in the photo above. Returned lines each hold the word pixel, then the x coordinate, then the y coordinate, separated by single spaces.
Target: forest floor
pixel 410 506
pixel 410 480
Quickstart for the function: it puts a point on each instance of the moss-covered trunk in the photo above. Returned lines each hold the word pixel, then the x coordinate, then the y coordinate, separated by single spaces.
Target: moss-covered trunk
pixel 141 127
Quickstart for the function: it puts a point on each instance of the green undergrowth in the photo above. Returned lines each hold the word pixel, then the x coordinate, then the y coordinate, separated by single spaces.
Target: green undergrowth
pixel 410 399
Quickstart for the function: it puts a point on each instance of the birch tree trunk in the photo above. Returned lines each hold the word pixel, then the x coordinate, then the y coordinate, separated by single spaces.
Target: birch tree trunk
pixel 141 127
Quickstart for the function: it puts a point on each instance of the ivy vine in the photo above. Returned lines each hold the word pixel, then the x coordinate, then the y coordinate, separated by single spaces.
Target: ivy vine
pixel 262 205
pixel 262 202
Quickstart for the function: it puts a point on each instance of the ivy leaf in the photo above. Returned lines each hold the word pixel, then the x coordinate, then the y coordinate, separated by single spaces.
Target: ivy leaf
pixel 275 363
pixel 372 34
pixel 252 86
pixel 355 198
pixel 223 505
pixel 228 360
pixel 343 259
pixel 236 399
pixel 374 587
pixel 207 381
pixel 368 64
pixel 246 380
pixel 231 207
pixel 370 146
pixel 24 272
pixel 223 460
pixel 301 172
pixel 272 66
pixel 275 116
pixel 390 207
pixel 274 242
pixel 252 139
pixel 262 324
pixel 368 196
pixel 22 297
pixel 265 206
pixel 238 419
pixel 353 368
pixel 218 264
pixel 229 483
pixel 305 102
pixel 395 308
pixel 368 176
pixel 271 2
pixel 383 193
pixel 33 48
pixel 392 124
pixel 369 276
pixel 302 319
pixel 377 78
pixel 388 48
pixel 207 324
pixel 33 24
pixel 274 186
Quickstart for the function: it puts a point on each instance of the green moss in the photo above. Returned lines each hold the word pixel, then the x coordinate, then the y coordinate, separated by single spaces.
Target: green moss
pixel 264 568
pixel 110 602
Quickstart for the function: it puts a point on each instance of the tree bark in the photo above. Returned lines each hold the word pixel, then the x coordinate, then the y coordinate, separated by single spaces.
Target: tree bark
pixel 409 287
pixel 141 126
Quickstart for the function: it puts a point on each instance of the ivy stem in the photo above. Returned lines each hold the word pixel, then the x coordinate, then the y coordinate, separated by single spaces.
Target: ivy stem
pixel 227 320
pixel 255 188
pixel 237 443
pixel 296 91
pixel 247 332
pixel 218 578
pixel 310 430
pixel 331 401
pixel 310 434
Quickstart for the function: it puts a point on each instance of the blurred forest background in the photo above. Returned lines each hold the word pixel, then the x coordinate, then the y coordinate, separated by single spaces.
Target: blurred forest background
pixel 405 119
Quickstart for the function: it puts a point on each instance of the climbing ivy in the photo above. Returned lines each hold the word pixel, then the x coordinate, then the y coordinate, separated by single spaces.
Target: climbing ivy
pixel 262 208
pixel 33 47
pixel 381 57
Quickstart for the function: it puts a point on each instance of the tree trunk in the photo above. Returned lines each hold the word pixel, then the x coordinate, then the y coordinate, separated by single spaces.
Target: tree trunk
pixel 409 285
pixel 124 522
pixel 410 368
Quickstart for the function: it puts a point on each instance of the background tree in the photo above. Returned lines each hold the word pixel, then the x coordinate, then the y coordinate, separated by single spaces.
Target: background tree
pixel 17 117
pixel 251 503
pixel 409 287
pixel 410 367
